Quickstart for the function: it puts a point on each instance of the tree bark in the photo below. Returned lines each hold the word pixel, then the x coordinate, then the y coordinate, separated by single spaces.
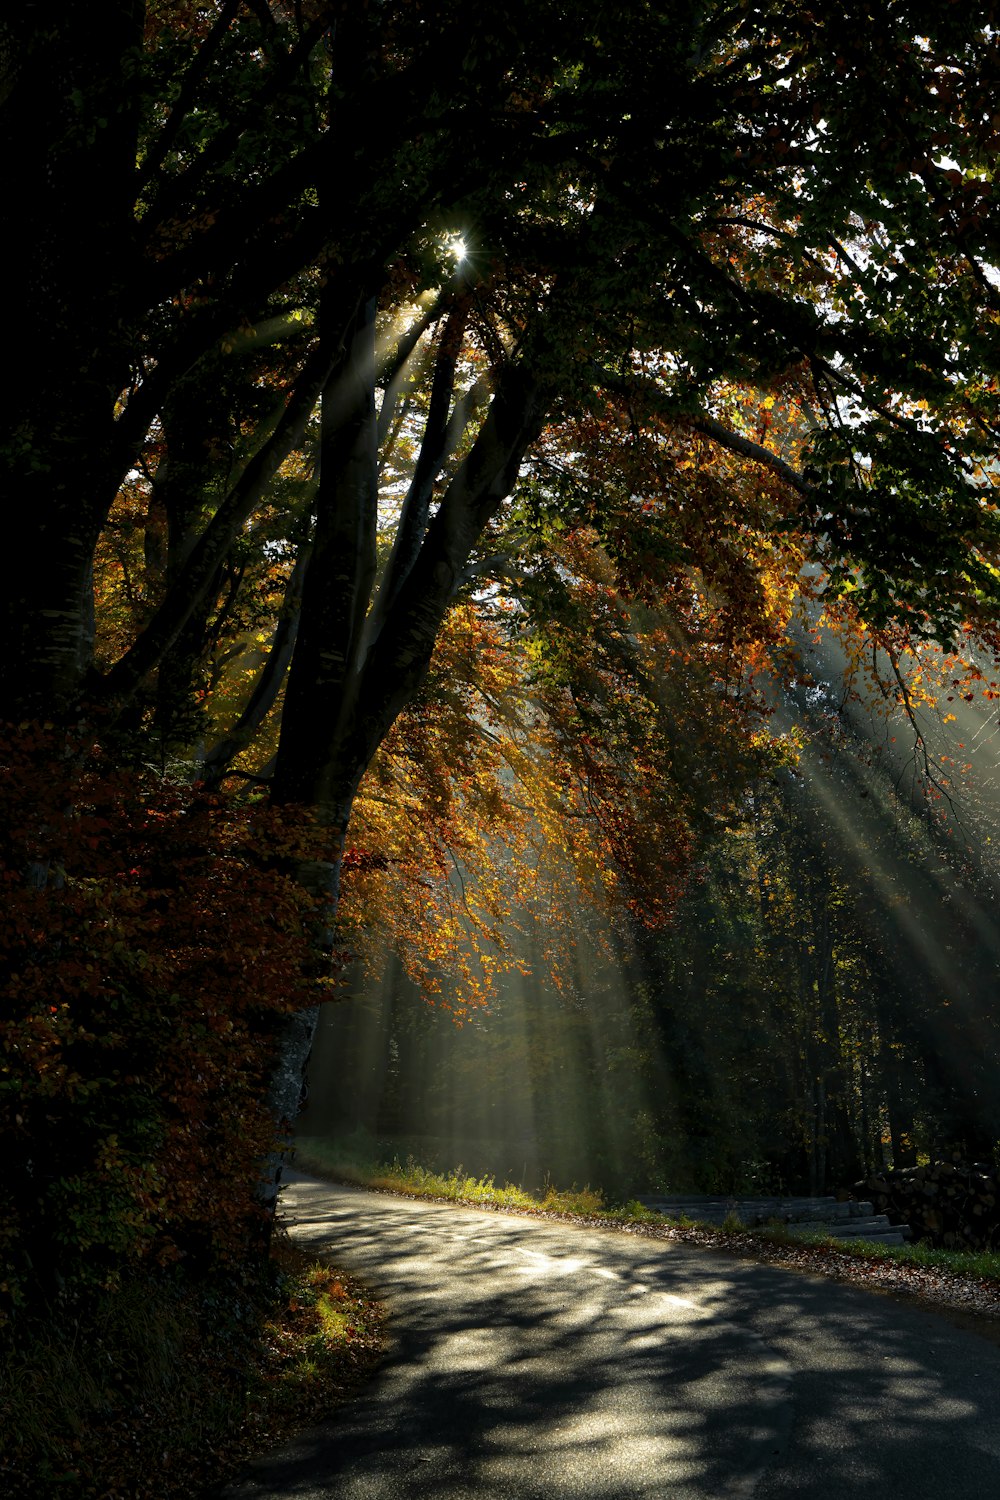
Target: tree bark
pixel 70 130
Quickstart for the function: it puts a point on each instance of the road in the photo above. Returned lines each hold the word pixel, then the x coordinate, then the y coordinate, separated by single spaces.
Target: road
pixel 533 1359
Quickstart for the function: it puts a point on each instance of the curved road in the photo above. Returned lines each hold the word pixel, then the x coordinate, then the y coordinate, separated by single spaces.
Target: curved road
pixel 533 1359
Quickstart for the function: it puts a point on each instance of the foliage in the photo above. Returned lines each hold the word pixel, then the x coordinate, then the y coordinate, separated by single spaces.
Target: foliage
pixel 803 1033
pixel 145 965
pixel 676 319
pixel 161 1389
pixel 788 1030
pixel 568 739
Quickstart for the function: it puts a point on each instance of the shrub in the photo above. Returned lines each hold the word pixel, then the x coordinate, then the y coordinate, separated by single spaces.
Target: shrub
pixel 150 947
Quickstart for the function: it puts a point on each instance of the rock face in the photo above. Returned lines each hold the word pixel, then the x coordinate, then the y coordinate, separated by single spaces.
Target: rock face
pixel 947 1205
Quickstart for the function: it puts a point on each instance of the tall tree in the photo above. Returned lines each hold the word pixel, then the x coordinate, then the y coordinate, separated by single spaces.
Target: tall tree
pixel 265 248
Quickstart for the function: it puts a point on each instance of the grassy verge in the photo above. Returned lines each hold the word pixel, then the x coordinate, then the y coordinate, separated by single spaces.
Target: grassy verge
pixel 325 1158
pixel 984 1263
pixel 328 1159
pixel 157 1391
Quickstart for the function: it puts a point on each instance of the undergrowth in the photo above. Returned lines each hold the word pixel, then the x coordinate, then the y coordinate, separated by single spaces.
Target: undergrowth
pixel 314 1154
pixel 984 1263
pixel 157 1390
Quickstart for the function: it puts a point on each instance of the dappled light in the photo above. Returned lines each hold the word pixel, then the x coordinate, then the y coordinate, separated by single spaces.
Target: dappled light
pixel 568 1362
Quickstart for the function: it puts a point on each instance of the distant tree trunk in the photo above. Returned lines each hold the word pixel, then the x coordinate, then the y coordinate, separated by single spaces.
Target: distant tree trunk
pixel 901 1124
pixel 868 1159
pixel 820 1140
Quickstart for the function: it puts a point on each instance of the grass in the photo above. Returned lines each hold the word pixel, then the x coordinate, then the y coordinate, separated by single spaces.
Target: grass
pixel 328 1159
pixel 154 1391
pixel 983 1263
pixel 345 1163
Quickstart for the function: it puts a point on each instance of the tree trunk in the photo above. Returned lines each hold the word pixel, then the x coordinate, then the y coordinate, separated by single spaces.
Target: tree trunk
pixel 70 130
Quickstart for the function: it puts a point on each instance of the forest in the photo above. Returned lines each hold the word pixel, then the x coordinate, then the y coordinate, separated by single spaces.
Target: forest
pixel 507 561
pixel 818 1010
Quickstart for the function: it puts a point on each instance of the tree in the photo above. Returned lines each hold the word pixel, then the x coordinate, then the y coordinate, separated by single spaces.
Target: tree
pixel 268 250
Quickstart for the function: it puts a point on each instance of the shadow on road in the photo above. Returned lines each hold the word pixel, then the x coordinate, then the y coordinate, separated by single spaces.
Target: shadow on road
pixel 538 1359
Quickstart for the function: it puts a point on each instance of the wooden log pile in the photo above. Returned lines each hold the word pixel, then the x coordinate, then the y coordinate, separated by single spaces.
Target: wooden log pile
pixel 948 1205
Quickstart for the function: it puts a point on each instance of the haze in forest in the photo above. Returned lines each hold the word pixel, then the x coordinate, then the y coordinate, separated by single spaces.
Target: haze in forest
pixel 821 1006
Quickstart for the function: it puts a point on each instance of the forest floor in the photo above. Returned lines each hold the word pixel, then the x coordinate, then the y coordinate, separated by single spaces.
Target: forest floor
pixel 969 1299
pixel 145 1398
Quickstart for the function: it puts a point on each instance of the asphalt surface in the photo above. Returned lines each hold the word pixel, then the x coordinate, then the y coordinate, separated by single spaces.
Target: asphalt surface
pixel 533 1359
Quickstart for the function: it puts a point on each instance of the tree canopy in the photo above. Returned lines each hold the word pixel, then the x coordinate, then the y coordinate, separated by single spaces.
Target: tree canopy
pixel 657 213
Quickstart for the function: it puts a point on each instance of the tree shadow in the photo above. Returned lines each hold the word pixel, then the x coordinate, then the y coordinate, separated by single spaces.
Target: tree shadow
pixel 537 1359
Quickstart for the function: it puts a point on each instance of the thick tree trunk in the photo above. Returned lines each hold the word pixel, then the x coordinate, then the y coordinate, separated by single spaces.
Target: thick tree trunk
pixel 70 134
pixel 323 679
pixel 352 674
pixel 294 1038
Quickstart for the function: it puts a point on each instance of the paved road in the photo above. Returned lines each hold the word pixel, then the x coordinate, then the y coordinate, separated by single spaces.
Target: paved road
pixel 534 1360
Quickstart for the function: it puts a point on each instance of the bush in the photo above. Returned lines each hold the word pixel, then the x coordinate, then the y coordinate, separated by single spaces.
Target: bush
pixel 150 948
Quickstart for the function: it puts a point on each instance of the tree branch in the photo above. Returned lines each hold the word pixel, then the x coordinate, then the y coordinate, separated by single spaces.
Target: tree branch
pixel 747 448
pixel 193 78
pixel 433 450
pixel 341 572
pixel 631 385
pixel 269 679
pixel 196 573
